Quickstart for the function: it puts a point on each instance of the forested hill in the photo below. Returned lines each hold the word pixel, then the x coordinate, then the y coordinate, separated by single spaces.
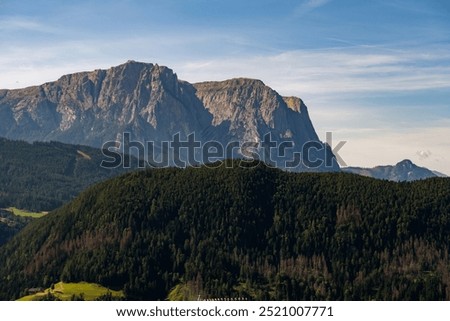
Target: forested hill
pixel 43 176
pixel 256 232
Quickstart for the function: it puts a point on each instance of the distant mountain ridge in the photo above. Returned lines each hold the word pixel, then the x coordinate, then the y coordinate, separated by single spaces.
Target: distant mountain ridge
pixel 405 170
pixel 150 103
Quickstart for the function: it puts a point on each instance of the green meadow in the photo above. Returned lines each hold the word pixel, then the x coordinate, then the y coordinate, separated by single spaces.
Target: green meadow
pixel 66 292
pixel 26 213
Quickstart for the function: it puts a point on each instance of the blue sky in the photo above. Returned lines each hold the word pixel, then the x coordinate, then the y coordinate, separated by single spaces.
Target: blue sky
pixel 375 73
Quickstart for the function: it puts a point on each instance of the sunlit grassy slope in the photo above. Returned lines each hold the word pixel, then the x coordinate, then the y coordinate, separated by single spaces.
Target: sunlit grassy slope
pixel 26 213
pixel 65 291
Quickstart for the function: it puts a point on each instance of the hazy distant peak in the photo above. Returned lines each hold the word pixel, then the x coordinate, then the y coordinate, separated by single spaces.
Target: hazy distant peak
pixel 406 163
pixel 404 170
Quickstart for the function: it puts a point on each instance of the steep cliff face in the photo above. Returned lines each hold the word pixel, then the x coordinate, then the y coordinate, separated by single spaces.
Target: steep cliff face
pixel 151 104
pixel 247 110
pixel 146 100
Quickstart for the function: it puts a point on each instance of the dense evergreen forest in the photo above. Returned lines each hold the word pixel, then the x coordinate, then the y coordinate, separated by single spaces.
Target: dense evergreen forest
pixel 10 225
pixel 43 176
pixel 247 231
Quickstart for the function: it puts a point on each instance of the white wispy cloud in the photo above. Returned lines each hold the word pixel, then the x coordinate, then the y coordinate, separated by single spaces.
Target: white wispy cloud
pixel 423 154
pixel 22 23
pixel 387 146
pixel 333 72
pixel 309 5
pixel 376 135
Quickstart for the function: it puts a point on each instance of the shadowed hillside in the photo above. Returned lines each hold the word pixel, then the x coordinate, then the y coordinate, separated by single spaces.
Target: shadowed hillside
pixel 43 176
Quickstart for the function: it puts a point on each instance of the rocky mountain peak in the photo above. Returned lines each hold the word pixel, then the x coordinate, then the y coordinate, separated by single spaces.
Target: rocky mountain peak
pixel 238 97
pixel 404 170
pixel 406 163
pixel 152 104
pixel 249 110
pixel 251 107
pixel 93 107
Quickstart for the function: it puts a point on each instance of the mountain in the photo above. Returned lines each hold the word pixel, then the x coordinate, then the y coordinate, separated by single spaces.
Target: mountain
pixel 402 171
pixel 150 103
pixel 43 176
pixel 242 230
pixel 246 110
pixel 91 108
